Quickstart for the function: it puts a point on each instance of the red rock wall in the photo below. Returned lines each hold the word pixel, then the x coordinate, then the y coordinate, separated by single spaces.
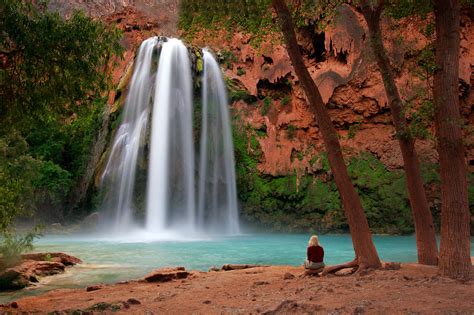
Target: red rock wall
pixel 347 77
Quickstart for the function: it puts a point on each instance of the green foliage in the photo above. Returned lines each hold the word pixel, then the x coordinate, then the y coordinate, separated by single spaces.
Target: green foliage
pixel 291 131
pixel 252 16
pixel 285 100
pixel 353 130
pixel 18 171
pixel 240 71
pixel 421 118
pixel 307 203
pixel 403 8
pixel 314 13
pixel 227 57
pixel 53 64
pixel 426 62
pixel 383 194
pixel 52 83
pixel 12 246
pixel 267 102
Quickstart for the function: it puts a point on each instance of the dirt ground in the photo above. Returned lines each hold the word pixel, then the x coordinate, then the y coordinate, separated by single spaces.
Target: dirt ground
pixel 413 289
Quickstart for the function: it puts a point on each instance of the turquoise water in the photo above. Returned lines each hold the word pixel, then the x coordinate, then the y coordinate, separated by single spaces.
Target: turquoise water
pixel 109 260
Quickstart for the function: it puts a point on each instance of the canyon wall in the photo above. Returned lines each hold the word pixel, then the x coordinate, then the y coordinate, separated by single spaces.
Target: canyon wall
pixel 283 177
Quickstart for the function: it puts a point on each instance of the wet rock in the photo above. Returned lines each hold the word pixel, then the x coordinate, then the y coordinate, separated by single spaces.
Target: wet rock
pixel 206 302
pixel 14 305
pixel 288 276
pixel 12 279
pixel 166 274
pixel 33 266
pixel 94 287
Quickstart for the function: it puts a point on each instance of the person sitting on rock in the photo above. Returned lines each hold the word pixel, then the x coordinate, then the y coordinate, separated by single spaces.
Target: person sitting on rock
pixel 314 263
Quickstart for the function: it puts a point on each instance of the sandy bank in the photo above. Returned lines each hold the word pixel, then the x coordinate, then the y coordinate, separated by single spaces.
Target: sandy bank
pixel 412 289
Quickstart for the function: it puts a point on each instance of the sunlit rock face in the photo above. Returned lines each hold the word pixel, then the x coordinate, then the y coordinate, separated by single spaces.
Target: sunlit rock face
pixel 341 63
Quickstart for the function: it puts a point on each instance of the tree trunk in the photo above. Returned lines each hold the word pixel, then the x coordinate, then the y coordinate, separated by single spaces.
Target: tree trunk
pixel 454 260
pixel 425 233
pixel 361 236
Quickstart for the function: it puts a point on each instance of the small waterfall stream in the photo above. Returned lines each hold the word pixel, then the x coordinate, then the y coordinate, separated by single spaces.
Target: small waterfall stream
pixel 217 207
pixel 184 193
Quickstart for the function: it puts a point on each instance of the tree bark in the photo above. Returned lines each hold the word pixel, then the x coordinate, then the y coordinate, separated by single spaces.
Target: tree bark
pixel 424 228
pixel 454 260
pixel 361 237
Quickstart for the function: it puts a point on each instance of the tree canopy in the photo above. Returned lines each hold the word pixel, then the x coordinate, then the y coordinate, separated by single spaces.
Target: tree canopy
pixel 53 83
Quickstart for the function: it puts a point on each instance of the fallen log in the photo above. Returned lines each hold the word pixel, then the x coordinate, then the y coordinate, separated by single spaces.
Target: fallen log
pixel 354 264
pixel 228 267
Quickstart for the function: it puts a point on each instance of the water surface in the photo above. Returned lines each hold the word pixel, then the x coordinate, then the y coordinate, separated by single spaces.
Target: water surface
pixel 112 260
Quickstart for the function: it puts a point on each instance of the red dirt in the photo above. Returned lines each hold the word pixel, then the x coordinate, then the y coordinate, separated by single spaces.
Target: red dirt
pixel 412 289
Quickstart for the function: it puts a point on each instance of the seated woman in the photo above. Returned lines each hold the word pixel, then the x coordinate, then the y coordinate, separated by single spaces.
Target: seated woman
pixel 315 256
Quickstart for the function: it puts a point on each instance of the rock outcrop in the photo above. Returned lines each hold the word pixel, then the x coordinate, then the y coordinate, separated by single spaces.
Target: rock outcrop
pixel 34 266
pixel 166 274
pixel 341 63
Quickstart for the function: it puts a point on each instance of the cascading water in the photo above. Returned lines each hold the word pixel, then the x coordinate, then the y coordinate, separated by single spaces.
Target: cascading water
pixel 170 196
pixel 217 199
pixel 118 179
pixel 171 201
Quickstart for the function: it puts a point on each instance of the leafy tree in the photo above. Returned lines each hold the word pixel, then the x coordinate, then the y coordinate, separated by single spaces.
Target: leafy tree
pixel 54 74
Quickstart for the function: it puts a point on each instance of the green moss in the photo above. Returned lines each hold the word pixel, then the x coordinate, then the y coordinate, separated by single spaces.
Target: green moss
pixel 291 131
pixel 311 202
pixel 285 100
pixel 267 102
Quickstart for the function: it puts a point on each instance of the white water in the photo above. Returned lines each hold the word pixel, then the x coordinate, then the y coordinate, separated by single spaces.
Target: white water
pixel 118 179
pixel 217 207
pixel 170 197
pixel 175 205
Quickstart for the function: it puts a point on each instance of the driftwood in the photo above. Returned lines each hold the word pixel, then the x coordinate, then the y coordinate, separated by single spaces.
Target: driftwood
pixel 354 264
pixel 228 267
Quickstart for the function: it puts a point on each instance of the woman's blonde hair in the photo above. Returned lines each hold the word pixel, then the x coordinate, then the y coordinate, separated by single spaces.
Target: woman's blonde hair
pixel 313 241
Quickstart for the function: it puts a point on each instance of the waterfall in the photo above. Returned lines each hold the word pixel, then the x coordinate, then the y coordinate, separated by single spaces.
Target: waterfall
pixel 118 179
pixel 183 194
pixel 217 199
pixel 170 196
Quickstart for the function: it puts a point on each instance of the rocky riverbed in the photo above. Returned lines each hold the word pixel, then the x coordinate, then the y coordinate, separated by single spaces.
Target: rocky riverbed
pixel 32 267
pixel 411 289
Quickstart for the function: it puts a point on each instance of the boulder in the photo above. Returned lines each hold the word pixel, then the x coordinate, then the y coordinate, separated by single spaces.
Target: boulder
pixel 90 222
pixel 32 266
pixel 166 274
pixel 12 279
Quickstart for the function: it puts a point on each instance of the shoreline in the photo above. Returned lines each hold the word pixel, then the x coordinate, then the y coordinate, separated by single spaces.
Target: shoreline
pixel 273 289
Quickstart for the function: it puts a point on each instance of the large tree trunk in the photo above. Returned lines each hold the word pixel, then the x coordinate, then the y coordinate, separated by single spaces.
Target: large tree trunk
pixel 425 233
pixel 454 260
pixel 361 236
